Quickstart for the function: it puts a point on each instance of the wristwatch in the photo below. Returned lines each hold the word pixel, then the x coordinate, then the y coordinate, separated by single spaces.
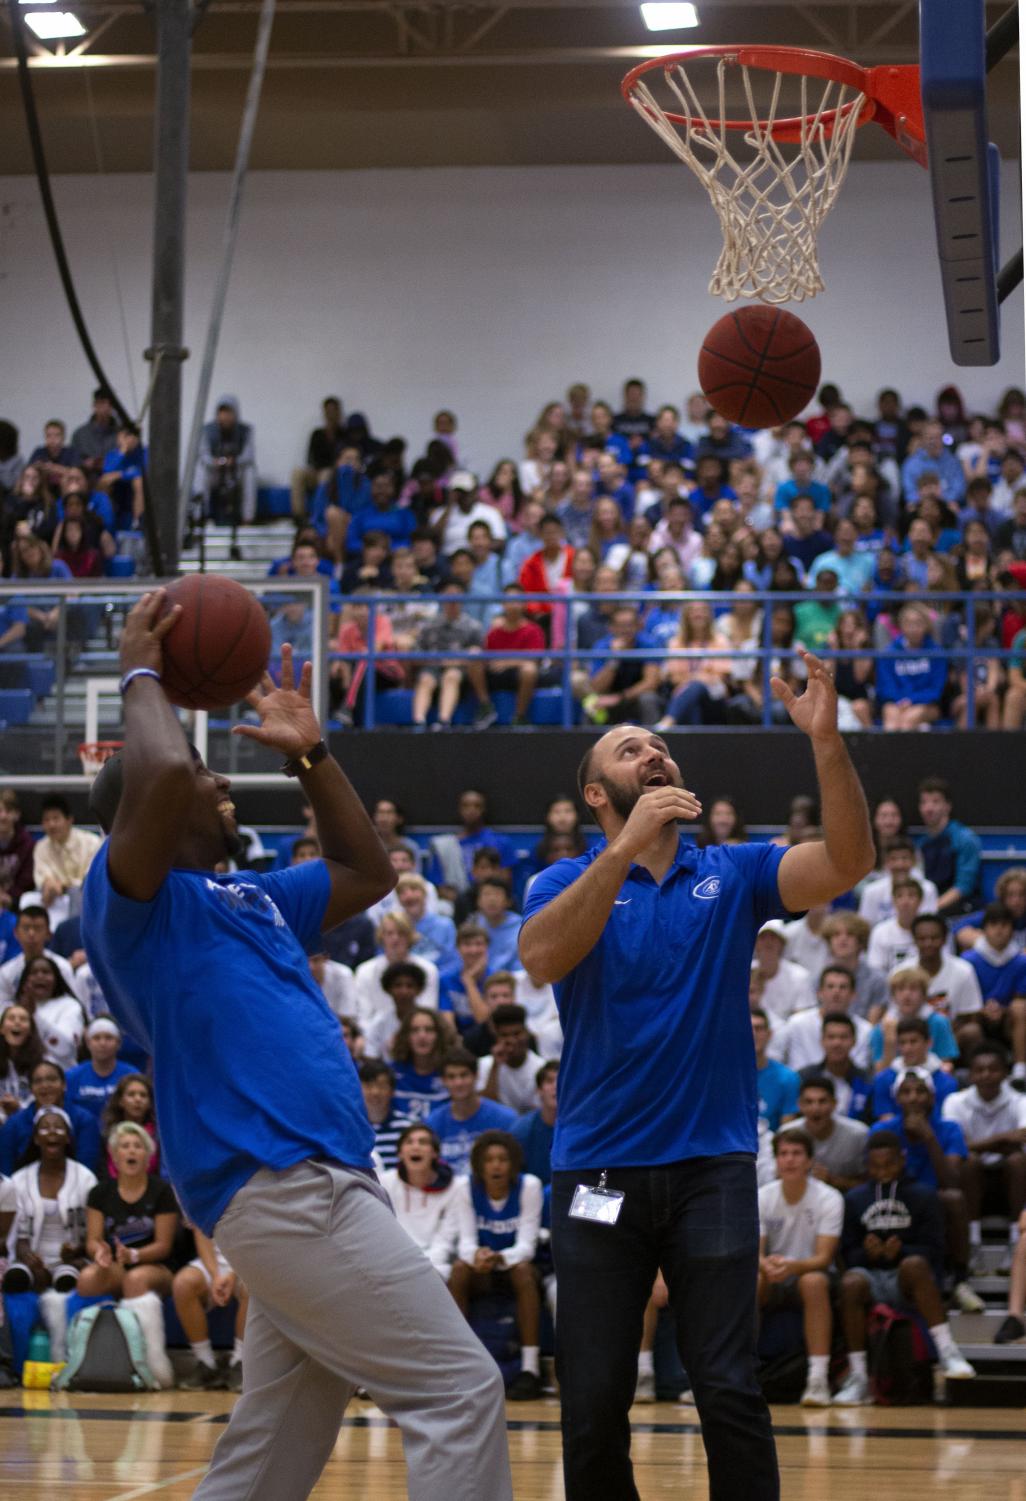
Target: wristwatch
pixel 308 759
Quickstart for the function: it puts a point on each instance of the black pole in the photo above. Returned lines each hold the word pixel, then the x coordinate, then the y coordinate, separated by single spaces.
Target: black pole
pixel 1002 36
pixel 1010 276
pixel 171 166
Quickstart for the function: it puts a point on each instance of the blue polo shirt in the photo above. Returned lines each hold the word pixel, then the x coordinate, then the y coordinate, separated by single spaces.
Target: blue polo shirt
pixel 249 1066
pixel 658 1063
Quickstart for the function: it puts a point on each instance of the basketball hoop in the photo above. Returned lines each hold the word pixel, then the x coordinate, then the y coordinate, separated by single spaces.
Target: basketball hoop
pixel 94 754
pixel 799 116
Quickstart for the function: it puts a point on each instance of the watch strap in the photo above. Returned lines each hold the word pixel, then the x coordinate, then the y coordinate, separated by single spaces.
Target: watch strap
pixel 308 759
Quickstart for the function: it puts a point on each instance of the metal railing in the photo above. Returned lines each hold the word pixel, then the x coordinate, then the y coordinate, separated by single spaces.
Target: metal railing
pixel 568 655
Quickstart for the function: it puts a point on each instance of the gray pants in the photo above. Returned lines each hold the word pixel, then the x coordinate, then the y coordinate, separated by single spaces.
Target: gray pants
pixel 340 1297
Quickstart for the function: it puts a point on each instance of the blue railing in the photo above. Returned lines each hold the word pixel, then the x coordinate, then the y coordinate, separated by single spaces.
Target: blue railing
pixel 568 654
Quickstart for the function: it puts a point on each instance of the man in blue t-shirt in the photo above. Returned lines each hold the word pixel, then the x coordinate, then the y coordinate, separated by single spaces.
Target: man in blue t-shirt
pixel 950 852
pixel 92 1083
pixel 778 1084
pixel 647 941
pixel 535 1130
pixel 262 1121
pixel 459 1124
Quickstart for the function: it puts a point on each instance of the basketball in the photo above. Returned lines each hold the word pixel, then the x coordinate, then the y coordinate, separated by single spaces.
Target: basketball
pixel 218 649
pixel 759 366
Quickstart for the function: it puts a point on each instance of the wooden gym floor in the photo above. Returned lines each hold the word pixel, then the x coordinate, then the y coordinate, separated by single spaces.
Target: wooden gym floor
pixel 93 1448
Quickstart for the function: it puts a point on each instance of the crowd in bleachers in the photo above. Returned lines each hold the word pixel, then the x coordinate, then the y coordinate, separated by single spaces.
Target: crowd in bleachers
pixel 840 509
pixel 889 1039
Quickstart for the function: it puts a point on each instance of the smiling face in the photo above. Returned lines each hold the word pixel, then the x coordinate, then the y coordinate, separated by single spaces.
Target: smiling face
pixel 913 1097
pixel 626 763
pixel 136 1100
pixel 47 1085
pixel 37 982
pixel 15 1026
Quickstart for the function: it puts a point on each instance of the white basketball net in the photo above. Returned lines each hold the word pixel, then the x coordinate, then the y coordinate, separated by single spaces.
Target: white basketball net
pixel 770 206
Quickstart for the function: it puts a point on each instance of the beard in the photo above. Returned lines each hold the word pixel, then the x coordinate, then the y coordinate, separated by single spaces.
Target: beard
pixel 621 799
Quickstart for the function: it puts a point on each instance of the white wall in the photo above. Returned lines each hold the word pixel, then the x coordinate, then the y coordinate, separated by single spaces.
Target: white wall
pixel 484 290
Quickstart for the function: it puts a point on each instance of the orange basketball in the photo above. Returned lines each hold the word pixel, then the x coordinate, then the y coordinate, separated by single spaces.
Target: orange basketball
pixel 217 650
pixel 759 366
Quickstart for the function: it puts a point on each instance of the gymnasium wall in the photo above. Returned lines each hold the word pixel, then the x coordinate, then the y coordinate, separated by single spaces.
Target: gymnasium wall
pixel 486 290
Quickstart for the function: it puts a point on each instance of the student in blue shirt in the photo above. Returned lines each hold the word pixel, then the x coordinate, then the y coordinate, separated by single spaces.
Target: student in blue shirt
pixel 950 852
pixel 459 1124
pixel 647 941
pixel 501 926
pixel 909 685
pixel 92 1083
pixel 210 972
pixel 913 1052
pixel 778 1084
pixel 535 1130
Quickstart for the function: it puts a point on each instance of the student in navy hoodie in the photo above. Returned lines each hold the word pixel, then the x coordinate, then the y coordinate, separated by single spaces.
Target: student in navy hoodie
pixel 893 1246
pixel 909 684
pixel 1000 967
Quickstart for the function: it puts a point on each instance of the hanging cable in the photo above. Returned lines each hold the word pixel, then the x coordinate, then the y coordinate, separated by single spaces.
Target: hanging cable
pixel 231 229
pixel 94 126
pixel 64 269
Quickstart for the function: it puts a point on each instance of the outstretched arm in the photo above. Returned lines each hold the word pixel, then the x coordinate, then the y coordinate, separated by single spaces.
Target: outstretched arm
pixel 361 872
pixel 823 869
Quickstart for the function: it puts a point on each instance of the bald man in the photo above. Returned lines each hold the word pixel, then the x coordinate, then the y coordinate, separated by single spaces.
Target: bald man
pixel 648 942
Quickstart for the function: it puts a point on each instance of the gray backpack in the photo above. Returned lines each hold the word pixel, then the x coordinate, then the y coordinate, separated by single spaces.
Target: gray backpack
pixel 106 1353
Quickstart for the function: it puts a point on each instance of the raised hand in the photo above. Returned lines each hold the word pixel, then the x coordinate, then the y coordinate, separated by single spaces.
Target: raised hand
pixel 651 813
pixel 814 711
pixel 144 631
pixel 287 720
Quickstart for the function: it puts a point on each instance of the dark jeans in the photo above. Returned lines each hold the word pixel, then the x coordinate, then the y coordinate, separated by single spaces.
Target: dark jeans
pixel 698 1221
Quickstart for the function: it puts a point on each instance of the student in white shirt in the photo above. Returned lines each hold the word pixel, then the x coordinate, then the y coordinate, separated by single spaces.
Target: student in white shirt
pixel 954 989
pixel 891 943
pixel 396 936
pixel 900 860
pixel 800 1220
pixel 498 1210
pixel 32 930
pixel 800 1041
pixel 509 1075
pixel 56 1010
pixel 993 1119
pixel 787 986
pixel 422 1189
pixel 337 982
pixel 805 942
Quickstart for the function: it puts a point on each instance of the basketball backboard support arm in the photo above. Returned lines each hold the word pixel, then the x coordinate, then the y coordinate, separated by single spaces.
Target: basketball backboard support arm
pixel 955 54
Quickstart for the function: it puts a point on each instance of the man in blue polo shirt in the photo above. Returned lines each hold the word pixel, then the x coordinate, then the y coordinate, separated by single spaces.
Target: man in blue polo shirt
pixel 210 972
pixel 648 943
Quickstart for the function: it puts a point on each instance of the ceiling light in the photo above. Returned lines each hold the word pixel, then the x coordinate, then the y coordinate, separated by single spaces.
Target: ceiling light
pixel 668 15
pixel 52 25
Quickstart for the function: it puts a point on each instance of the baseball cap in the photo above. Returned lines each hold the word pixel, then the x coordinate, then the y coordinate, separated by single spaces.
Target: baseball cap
pixel 463 480
pixel 922 1074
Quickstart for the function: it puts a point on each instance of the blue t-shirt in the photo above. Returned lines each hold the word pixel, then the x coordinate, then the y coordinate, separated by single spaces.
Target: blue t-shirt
pixel 416 1095
pixel 87 1088
pixel 917 1159
pixel 999 982
pixel 249 1066
pixel 942 1039
pixel 457 1137
pixel 658 1063
pixel 881 1099
pixel 496 1228
pixel 502 940
pixel 778 1092
pixel 536 1139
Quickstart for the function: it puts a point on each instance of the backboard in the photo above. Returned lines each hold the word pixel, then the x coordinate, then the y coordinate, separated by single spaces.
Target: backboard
pixel 956 54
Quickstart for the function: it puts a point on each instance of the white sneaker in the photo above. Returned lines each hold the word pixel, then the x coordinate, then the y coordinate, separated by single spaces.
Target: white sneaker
pixel 956 1367
pixel 968 1300
pixel 645 1389
pixel 854 1392
pixel 817 1392
pixel 686 1399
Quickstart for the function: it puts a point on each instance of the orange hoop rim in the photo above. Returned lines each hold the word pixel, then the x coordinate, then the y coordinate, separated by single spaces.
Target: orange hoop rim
pixel 99 750
pixel 794 61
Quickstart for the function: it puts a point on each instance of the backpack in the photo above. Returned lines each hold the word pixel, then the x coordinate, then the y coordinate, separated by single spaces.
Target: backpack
pixel 106 1353
pixel 900 1367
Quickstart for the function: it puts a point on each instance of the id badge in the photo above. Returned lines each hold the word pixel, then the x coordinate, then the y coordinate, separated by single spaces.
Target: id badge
pixel 600 1204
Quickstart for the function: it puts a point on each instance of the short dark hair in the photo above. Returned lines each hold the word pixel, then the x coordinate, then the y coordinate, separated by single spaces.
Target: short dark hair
pixel 459 1058
pixel 402 969
pixel 884 1141
pixel 899 842
pixel 467 930
pixel 838 1019
pixel 990 1050
pixel 420 1126
pixel 926 917
pixel 914 1024
pixel 503 1139
pixel 818 1081
pixel 55 801
pixel 996 912
pixel 795 1133
pixel 509 1014
pixel 34 911
pixel 935 784
pixel 584 768
pixel 494 881
pixel 547 1068
pixel 372 1069
pixel 837 969
pixel 758 1011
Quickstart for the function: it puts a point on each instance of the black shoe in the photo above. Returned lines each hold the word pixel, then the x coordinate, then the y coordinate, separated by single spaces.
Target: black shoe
pixel 1011 1330
pixel 485 716
pixel 231 1379
pixel 201 1377
pixel 526 1388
